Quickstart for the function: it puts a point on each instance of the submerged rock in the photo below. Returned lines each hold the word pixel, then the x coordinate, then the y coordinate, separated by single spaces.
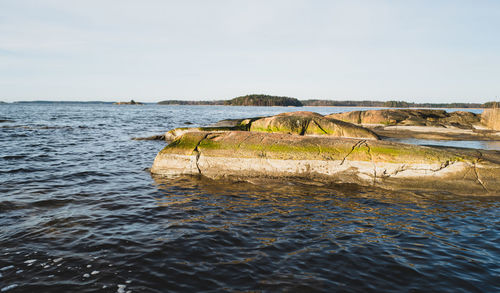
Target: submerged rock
pixel 244 154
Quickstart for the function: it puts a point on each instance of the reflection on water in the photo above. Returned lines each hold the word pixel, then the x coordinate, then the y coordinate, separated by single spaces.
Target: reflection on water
pixel 473 144
pixel 387 237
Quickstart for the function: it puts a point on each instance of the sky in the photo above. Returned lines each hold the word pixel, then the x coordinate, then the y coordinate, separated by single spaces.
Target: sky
pixel 419 51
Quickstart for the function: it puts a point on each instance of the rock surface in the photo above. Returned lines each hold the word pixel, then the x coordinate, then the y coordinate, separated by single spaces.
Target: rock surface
pixel 421 124
pixel 300 123
pixel 491 118
pixel 243 154
pixel 411 117
pixel 310 123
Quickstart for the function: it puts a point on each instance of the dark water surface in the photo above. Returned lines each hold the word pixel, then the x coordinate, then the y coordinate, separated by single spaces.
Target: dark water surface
pixel 79 212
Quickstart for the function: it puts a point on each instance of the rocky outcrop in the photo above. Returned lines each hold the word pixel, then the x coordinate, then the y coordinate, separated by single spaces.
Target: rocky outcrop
pixel 421 124
pixel 411 117
pixel 300 123
pixel 132 102
pixel 310 123
pixel 491 118
pixel 243 154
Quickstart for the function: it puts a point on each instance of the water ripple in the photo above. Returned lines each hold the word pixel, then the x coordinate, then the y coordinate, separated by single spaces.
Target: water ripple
pixel 79 213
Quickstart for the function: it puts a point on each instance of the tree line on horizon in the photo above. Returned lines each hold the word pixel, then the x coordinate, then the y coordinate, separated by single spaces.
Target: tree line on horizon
pixel 268 100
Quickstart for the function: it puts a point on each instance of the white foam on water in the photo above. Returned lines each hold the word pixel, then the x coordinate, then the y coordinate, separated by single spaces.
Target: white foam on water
pixel 121 288
pixel 7 268
pixel 46 266
pixel 19 271
pixel 86 275
pixel 95 272
pixel 89 266
pixel 30 261
pixel 7 288
pixel 57 260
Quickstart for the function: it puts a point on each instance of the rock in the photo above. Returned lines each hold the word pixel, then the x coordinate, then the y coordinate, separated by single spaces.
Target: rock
pixel 132 102
pixel 420 124
pixel 154 137
pixel 309 123
pixel 241 123
pixel 491 118
pixel 227 123
pixel 177 132
pixel 242 155
pixel 300 123
pixel 411 117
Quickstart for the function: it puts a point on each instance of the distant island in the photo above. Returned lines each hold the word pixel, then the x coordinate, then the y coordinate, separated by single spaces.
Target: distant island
pixel 248 100
pixel 263 100
pixel 62 102
pixel 268 100
pixel 132 102
pixel 183 103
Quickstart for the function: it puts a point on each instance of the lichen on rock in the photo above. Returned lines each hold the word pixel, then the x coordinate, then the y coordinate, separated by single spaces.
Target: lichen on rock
pixel 244 154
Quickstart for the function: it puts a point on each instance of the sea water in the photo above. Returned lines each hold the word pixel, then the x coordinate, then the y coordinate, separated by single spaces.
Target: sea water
pixel 79 212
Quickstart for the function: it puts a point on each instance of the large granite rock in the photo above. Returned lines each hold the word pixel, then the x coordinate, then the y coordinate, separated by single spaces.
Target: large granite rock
pixel 310 123
pixel 244 154
pixel 300 123
pixel 411 117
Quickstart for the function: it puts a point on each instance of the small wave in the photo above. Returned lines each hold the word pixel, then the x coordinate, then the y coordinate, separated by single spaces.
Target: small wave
pixel 6 206
pixel 51 203
pixel 20 170
pixel 14 157
pixel 85 174
pixel 37 127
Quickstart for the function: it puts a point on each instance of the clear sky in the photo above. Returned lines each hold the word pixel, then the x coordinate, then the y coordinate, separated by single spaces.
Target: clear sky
pixel 421 51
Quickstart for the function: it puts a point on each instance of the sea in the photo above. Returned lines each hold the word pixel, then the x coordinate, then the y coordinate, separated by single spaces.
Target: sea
pixel 80 212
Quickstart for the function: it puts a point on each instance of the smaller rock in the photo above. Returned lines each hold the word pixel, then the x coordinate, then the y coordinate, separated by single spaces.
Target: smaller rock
pixel 154 137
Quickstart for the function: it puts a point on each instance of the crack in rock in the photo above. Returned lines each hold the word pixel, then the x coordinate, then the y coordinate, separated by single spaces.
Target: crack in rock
pixel 319 126
pixel 476 172
pixel 404 167
pixel 371 159
pixel 197 152
pixel 356 145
